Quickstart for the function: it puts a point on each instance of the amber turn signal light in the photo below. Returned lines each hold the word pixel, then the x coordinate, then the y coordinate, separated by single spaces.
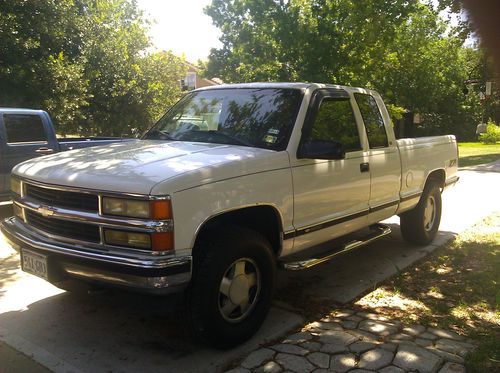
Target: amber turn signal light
pixel 162 241
pixel 161 210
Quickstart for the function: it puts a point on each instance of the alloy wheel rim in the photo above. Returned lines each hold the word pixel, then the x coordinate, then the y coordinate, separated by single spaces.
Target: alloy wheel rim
pixel 239 290
pixel 429 213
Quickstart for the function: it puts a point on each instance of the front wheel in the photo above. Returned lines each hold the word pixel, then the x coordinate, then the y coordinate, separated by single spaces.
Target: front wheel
pixel 420 225
pixel 232 286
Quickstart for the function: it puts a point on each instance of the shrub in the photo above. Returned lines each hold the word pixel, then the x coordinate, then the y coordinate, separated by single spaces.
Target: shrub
pixel 492 134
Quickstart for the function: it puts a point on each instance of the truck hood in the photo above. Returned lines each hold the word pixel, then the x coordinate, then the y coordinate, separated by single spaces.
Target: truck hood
pixel 137 167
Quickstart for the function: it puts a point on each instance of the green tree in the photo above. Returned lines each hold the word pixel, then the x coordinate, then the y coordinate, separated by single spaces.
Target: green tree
pixel 114 37
pixel 423 69
pixel 164 90
pixel 312 40
pixel 455 9
pixel 492 134
pixel 481 72
pixel 38 66
pixel 404 49
pixel 64 92
pixel 86 62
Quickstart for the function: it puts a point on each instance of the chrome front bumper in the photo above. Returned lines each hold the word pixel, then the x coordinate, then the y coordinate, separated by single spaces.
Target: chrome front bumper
pixel 159 274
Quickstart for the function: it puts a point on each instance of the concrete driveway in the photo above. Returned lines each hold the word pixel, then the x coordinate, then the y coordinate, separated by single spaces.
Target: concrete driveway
pixel 126 333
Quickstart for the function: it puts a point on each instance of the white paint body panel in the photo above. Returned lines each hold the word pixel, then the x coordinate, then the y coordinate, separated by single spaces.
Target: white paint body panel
pixel 420 157
pixel 136 167
pixel 193 207
pixel 206 180
pixel 327 190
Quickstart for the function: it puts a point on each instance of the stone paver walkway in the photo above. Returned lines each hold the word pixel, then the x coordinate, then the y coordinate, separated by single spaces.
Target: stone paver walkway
pixel 360 342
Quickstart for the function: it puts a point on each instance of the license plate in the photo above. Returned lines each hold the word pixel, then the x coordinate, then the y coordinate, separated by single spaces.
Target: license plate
pixel 34 263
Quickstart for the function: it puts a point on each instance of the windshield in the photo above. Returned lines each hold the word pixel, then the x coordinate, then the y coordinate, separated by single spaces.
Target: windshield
pixel 257 117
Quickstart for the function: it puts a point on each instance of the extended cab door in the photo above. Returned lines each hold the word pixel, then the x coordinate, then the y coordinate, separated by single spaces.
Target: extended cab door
pixel 23 136
pixel 383 156
pixel 330 195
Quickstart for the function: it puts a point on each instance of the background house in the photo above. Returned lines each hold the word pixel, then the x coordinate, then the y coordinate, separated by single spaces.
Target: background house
pixel 193 79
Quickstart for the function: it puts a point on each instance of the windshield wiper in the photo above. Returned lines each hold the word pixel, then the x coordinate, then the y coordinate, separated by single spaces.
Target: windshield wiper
pixel 156 134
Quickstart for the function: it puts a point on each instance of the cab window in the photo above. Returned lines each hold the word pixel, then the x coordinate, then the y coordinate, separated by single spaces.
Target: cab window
pixel 24 128
pixel 374 123
pixel 335 122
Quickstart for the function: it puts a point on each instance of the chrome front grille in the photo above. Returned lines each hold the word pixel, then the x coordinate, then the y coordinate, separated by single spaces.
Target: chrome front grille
pixel 64 228
pixel 62 198
pixel 71 214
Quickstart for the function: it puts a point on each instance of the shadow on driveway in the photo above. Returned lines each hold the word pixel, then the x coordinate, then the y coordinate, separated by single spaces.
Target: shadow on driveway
pixel 353 274
pixel 118 331
pixel 130 332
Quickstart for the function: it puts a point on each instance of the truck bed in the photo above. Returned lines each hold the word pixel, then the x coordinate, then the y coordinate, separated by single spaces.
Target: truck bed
pixel 420 156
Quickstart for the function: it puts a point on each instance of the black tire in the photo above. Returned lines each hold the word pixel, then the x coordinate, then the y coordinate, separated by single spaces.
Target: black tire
pixel 241 257
pixel 419 227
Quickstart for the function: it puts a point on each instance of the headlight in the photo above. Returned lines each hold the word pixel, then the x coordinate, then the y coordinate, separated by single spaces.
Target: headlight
pixel 125 207
pixel 130 239
pixel 158 210
pixel 159 241
pixel 15 185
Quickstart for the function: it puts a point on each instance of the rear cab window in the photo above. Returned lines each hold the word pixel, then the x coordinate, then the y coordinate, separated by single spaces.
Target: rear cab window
pixel 373 121
pixel 24 128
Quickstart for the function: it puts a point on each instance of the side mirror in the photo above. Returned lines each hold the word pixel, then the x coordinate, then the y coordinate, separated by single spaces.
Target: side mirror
pixel 322 149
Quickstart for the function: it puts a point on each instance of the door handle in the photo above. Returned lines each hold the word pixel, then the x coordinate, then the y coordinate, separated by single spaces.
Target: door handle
pixel 364 167
pixel 44 151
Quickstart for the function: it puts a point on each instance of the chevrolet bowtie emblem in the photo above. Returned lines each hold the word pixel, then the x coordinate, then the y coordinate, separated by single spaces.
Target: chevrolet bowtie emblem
pixel 46 211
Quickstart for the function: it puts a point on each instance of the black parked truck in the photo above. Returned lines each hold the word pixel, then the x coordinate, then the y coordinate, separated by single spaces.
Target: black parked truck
pixel 28 133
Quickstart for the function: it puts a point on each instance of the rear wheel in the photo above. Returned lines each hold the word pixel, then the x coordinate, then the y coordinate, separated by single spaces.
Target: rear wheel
pixel 232 286
pixel 420 225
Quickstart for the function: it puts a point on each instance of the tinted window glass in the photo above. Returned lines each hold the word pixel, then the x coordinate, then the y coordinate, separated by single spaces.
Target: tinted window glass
pixel 23 128
pixel 335 122
pixel 260 118
pixel 374 124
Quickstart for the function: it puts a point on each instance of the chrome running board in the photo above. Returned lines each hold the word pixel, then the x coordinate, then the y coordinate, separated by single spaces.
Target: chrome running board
pixel 377 231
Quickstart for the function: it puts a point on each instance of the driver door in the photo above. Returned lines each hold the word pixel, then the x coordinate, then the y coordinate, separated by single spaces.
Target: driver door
pixel 330 195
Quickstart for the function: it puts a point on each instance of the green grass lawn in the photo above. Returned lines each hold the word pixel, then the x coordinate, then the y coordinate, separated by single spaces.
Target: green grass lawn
pixel 474 153
pixel 457 287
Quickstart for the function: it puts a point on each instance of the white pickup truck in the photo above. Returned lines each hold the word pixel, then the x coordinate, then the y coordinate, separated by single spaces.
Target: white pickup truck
pixel 232 183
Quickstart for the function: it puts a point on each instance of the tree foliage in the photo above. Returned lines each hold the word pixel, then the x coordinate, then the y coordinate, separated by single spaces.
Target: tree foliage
pixel 492 134
pixel 86 62
pixel 402 48
pixel 300 39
